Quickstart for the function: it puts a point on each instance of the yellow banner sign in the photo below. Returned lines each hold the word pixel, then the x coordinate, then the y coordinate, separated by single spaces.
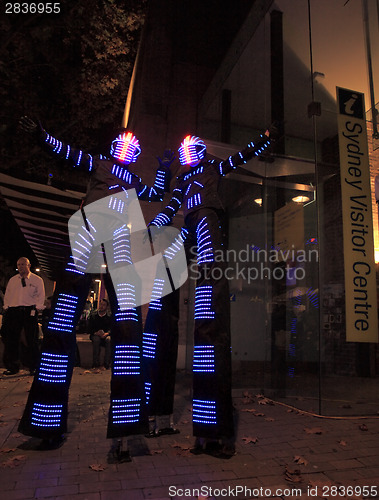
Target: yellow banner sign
pixel 358 240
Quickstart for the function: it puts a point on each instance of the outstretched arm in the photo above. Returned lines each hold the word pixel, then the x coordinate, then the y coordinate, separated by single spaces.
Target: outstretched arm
pixel 54 146
pixel 252 149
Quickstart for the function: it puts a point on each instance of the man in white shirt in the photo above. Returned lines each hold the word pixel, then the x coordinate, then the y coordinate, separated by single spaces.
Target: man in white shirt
pixel 24 297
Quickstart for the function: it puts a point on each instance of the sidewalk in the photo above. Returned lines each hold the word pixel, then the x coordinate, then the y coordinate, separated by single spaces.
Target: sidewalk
pixel 280 452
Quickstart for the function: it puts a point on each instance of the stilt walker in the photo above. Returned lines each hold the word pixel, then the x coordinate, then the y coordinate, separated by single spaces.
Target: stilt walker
pixel 196 192
pixel 99 230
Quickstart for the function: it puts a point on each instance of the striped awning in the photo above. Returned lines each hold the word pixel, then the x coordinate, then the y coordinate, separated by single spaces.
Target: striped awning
pixel 42 213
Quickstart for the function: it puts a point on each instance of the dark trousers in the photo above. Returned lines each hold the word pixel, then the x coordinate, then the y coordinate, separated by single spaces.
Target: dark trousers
pixel 160 350
pixel 17 348
pixel 97 343
pixel 212 398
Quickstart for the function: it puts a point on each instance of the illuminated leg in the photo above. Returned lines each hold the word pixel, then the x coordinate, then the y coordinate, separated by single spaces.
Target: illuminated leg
pixel 160 345
pixel 212 401
pixel 160 349
pixel 45 414
pixel 127 413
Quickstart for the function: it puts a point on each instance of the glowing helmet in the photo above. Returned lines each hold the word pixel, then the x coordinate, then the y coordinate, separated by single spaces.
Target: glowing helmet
pixel 191 150
pixel 125 148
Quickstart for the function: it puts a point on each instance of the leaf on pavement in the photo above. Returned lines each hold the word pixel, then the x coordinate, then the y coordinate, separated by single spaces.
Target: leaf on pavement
pixel 176 444
pixel 300 460
pixel 98 467
pixel 314 430
pixel 265 401
pixel 292 475
pixel 14 462
pixel 250 439
pixel 156 452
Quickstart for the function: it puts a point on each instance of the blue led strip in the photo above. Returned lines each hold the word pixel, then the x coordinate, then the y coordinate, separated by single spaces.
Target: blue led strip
pixel 128 315
pixel 203 302
pixel 313 297
pixel 126 297
pixel 53 368
pixel 204 243
pixel 64 313
pixel 72 268
pixel 292 350
pixel 46 415
pixel 149 344
pixel 81 251
pixel 121 245
pixel 156 294
pixel 125 411
pixel 161 220
pixel 204 358
pixel 79 159
pixel 203 411
pixel 122 173
pixel 127 360
pixel 293 325
pixel 147 391
pixel 142 191
pixel 152 193
pixel 198 170
pixel 176 245
pixel 194 201
pixel 116 204
pixel 160 179
pixel 51 140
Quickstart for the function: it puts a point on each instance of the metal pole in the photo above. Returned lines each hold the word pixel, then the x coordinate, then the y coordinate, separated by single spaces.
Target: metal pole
pixel 375 132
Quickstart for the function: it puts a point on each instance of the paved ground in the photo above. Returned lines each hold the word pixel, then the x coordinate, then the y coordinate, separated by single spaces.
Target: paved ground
pixel 281 452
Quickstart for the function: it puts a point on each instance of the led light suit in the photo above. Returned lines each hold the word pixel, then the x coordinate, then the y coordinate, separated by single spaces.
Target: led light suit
pixel 45 414
pixel 196 191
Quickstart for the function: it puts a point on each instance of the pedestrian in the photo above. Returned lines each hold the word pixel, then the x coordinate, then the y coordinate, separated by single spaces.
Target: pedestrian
pixel 24 297
pixel 99 330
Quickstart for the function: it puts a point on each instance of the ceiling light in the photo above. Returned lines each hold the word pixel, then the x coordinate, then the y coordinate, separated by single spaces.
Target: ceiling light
pixel 301 199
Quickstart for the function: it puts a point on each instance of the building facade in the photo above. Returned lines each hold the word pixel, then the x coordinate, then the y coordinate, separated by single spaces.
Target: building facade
pixel 225 73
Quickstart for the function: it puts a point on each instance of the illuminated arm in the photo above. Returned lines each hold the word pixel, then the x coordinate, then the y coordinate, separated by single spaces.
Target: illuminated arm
pixel 126 180
pixel 252 149
pixel 58 148
pixel 55 147
pixel 165 217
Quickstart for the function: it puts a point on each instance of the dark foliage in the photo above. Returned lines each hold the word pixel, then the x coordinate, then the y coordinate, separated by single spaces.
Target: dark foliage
pixel 71 71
